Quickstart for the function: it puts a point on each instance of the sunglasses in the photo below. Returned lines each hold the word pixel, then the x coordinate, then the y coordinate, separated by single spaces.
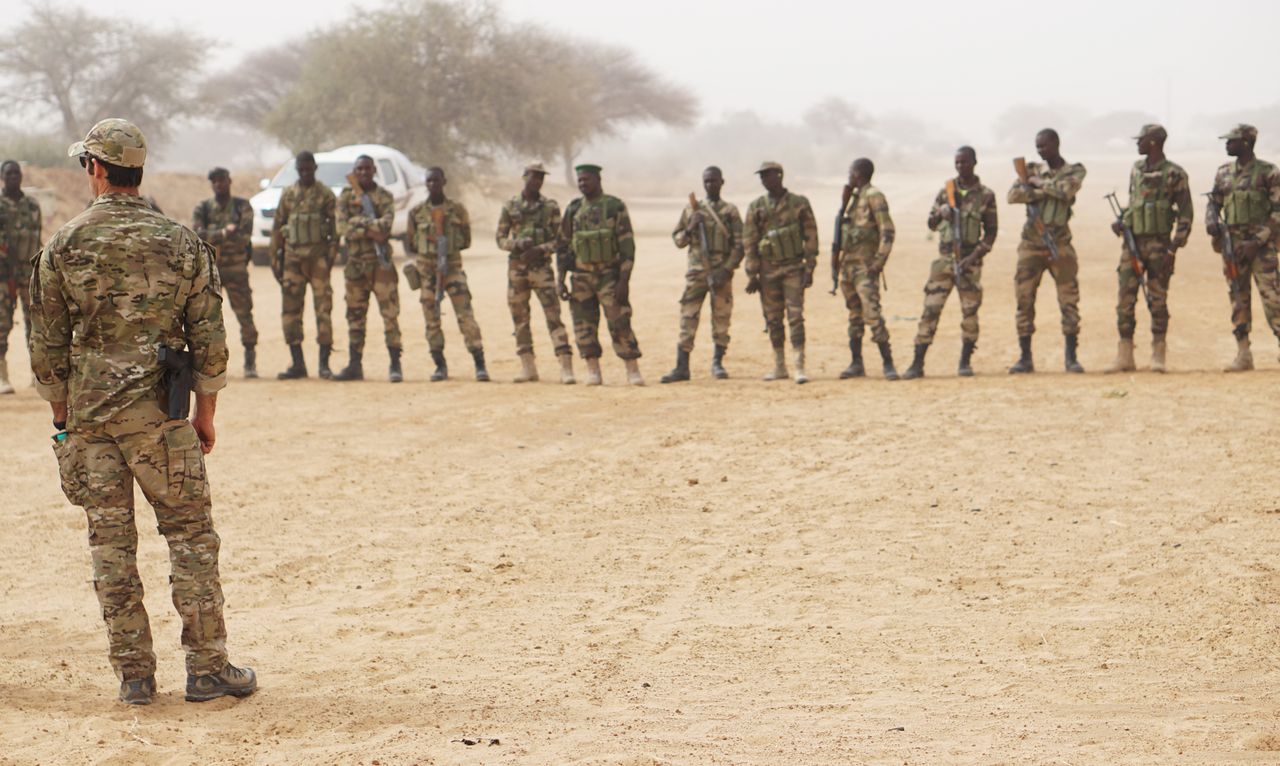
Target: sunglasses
pixel 85 159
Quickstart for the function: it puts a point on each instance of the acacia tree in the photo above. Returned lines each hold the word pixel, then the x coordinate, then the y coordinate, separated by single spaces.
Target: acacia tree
pixel 249 92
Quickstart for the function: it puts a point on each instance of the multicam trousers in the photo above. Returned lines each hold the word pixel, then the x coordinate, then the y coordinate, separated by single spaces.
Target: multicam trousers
pixel 524 280
pixel 695 291
pixel 459 294
pixel 590 292
pixel 1033 261
pixel 942 279
pixel 304 266
pixel 1157 264
pixel 365 276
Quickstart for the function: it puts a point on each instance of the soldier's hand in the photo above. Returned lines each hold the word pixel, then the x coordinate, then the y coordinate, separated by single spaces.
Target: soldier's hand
pixel 1214 229
pixel 622 293
pixel 808 278
pixel 695 218
pixel 753 285
pixel 720 276
pixel 523 244
pixel 1176 244
pixel 1248 248
pixel 562 290
pixel 1117 228
pixel 204 429
pixel 980 251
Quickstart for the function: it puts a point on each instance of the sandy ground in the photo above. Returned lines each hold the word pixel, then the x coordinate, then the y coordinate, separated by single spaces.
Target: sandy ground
pixel 1033 570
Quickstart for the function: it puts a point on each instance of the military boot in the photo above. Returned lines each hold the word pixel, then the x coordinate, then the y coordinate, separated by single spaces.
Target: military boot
pixel 594 378
pixel 779 371
pixel 482 374
pixel 717 364
pixel 965 370
pixel 228 682
pixel 566 370
pixel 394 374
pixel 138 691
pixel 855 368
pixel 355 367
pixel 442 367
pixel 528 369
pixel 886 356
pixel 325 372
pixel 801 376
pixel 681 370
pixel 1070 363
pixel 633 372
pixel 1157 353
pixel 1124 358
pixel 916 370
pixel 250 362
pixel 5 386
pixel 1244 357
pixel 1024 363
pixel 299 367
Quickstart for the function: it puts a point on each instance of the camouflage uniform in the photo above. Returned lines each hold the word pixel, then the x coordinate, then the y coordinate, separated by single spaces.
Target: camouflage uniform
pixel 304 222
pixel 866 239
pixel 1249 198
pixel 210 221
pixel 780 246
pixel 724 236
pixel 1055 199
pixel 603 245
pixel 531 272
pixel 363 273
pixel 1159 199
pixel 111 286
pixel 20 226
pixel 421 244
pixel 978 224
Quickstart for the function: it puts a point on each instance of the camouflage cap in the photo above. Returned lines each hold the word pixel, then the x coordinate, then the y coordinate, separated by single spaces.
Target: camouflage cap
pixel 113 140
pixel 1247 132
pixel 1151 129
pixel 587 167
pixel 769 165
pixel 535 167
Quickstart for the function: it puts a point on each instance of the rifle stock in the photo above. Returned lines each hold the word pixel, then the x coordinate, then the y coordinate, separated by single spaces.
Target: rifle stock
pixel 1033 210
pixel 442 251
pixel 1131 244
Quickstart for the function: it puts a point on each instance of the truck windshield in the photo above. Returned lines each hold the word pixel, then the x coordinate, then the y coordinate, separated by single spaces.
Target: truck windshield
pixel 332 174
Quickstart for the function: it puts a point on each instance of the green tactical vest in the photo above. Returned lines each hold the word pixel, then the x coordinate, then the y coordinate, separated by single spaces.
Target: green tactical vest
pixel 594 243
pixel 1241 207
pixel 970 220
pixel 1150 202
pixel 717 239
pixel 779 243
pixel 425 233
pixel 305 228
pixel 21 239
pixel 534 224
pixel 1055 212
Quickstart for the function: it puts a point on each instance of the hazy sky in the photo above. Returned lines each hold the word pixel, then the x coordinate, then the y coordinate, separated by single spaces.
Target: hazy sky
pixel 957 63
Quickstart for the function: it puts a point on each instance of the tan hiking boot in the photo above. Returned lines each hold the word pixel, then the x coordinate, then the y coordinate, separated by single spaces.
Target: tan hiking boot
pixel 528 370
pixel 1157 354
pixel 633 372
pixel 779 371
pixel 1124 358
pixel 5 386
pixel 139 691
pixel 1244 357
pixel 566 370
pixel 801 377
pixel 593 372
pixel 228 682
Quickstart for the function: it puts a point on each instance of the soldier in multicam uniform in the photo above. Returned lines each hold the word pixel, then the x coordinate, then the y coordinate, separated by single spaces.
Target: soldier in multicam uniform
pixel 365 273
pixel 866 241
pixel 113 286
pixel 599 247
pixel 529 229
pixel 1052 187
pixel 304 245
pixel 709 273
pixel 421 245
pixel 226 222
pixel 780 248
pixel 20 224
pixel 1247 192
pixel 978 226
pixel 1159 199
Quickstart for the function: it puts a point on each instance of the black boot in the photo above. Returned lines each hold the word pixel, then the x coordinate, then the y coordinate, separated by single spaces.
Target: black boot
pixel 916 370
pixel 855 368
pixel 395 375
pixel 482 374
pixel 325 372
pixel 442 367
pixel 681 370
pixel 717 364
pixel 250 361
pixel 1072 364
pixel 966 352
pixel 1024 363
pixel 886 355
pixel 354 369
pixel 299 367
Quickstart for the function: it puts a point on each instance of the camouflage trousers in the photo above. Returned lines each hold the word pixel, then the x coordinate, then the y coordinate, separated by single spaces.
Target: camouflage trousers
pixel 235 281
pixel 942 278
pixel 10 297
pixel 1263 269
pixel 1157 264
pixel 1033 261
pixel 862 294
pixel 782 292
pixel 307 266
pixel 695 291
pixel 365 276
pixel 590 292
pixel 523 280
pixel 98 465
pixel 455 288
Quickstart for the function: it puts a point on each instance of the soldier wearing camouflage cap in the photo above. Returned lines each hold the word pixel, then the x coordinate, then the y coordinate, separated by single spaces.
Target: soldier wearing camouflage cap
pixel 1245 210
pixel 112 288
pixel 226 222
pixel 1159 216
pixel 20 228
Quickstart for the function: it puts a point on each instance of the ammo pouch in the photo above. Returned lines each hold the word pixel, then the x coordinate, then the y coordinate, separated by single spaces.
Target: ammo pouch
pixel 1054 212
pixel 854 236
pixel 1151 218
pixel 412 276
pixel 1245 208
pixel 305 228
pixel 594 247
pixel 187 480
pixel 782 244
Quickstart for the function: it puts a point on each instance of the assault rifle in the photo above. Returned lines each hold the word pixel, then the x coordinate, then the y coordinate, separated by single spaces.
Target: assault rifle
pixel 1131 244
pixel 366 202
pixel 1033 210
pixel 837 239
pixel 442 250
pixel 1214 214
pixel 956 240
pixel 702 239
